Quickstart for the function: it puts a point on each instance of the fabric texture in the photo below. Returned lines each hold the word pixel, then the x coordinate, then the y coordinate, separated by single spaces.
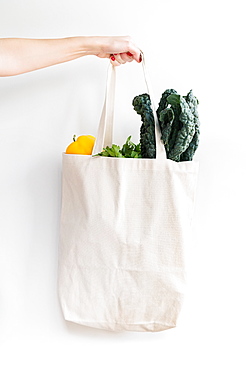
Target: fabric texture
pixel 124 227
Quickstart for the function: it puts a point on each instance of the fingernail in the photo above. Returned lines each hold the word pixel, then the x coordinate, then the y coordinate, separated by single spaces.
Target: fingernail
pixel 140 58
pixel 113 58
pixel 129 54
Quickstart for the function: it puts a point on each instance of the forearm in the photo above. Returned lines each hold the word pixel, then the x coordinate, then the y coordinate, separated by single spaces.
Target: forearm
pixel 18 55
pixel 24 55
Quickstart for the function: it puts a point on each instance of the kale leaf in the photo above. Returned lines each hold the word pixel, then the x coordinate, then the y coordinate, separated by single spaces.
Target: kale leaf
pixel 142 105
pixel 179 124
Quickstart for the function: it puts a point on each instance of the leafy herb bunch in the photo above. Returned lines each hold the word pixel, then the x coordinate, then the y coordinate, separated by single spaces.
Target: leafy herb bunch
pixel 128 150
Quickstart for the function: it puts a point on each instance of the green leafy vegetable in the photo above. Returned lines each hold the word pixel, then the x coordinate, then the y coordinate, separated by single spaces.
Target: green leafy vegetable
pixel 114 151
pixel 129 150
pixel 179 125
pixel 183 128
pixel 193 104
pixel 163 102
pixel 180 130
pixel 142 106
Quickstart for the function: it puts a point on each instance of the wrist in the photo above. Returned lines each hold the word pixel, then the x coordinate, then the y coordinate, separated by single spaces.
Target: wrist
pixel 91 45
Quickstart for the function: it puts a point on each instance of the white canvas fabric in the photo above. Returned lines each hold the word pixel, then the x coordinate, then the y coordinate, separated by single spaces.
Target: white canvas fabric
pixel 124 227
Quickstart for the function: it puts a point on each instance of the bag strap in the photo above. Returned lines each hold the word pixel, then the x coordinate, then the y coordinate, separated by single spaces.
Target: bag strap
pixel 105 129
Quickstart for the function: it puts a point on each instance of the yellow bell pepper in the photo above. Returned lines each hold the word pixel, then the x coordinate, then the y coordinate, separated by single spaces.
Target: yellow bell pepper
pixel 82 145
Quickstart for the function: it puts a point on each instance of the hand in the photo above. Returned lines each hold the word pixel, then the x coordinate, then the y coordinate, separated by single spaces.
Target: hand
pixel 120 50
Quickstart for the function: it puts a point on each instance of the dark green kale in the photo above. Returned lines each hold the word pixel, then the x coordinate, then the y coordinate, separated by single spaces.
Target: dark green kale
pixel 163 102
pixel 166 119
pixel 179 124
pixel 190 151
pixel 142 105
pixel 183 127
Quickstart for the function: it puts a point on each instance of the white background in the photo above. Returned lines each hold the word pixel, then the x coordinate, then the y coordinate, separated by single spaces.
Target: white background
pixel 197 45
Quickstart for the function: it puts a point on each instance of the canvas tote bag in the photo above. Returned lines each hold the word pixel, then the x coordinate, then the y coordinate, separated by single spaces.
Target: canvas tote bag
pixel 124 226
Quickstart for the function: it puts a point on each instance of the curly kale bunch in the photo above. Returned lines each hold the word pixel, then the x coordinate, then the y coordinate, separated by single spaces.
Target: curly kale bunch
pixel 179 125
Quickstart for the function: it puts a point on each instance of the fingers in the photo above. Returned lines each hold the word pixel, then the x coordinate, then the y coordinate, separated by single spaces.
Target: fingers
pixel 114 62
pixel 120 50
pixel 136 54
pixel 133 50
pixel 138 57
pixel 122 58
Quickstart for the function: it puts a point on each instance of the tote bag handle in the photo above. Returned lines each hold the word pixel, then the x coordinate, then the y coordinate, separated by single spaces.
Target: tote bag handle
pixel 105 129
